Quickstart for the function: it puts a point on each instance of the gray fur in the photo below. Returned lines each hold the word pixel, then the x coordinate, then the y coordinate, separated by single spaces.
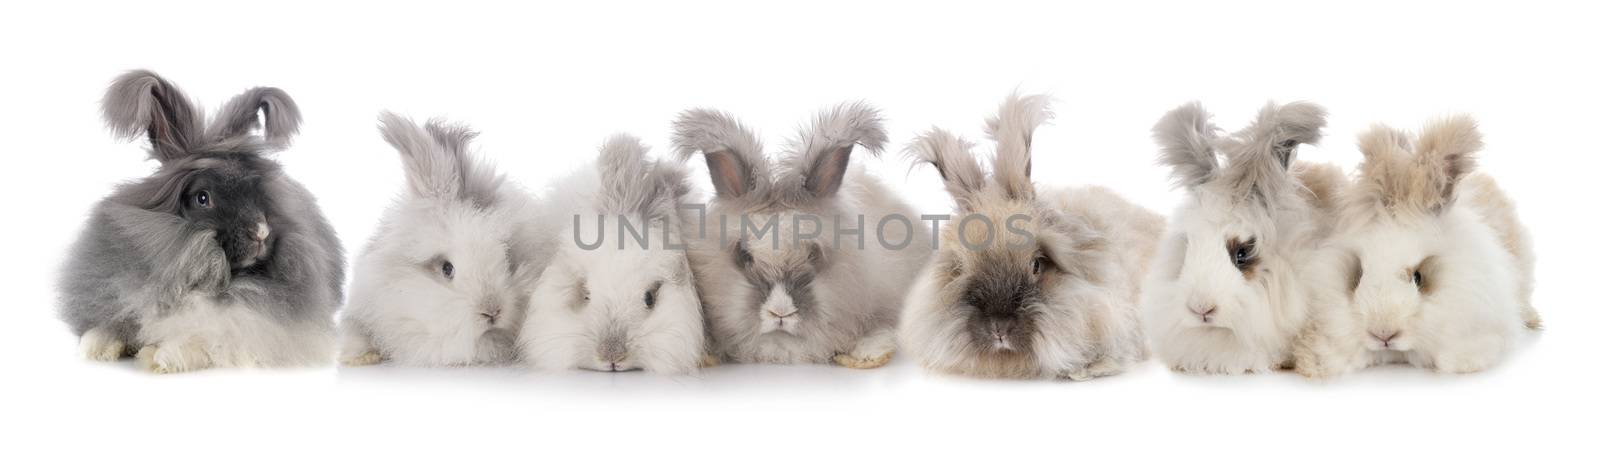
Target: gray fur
pixel 437 161
pixel 820 156
pixel 139 260
pixel 1012 130
pixel 1186 138
pixel 732 153
pixel 632 183
pixel 952 157
pixel 277 115
pixel 1259 156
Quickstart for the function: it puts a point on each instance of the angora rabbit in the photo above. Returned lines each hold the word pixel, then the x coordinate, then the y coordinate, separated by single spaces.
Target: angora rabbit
pixel 217 259
pixel 626 304
pixel 443 280
pixel 1439 270
pixel 1241 261
pixel 1028 283
pixel 808 262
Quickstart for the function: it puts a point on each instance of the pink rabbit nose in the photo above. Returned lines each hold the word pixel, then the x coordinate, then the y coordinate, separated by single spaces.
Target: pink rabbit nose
pixel 262 231
pixel 1206 311
pixel 1385 337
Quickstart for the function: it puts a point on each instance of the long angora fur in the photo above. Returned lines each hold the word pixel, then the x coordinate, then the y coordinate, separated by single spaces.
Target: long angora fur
pixel 218 259
pixel 619 294
pixel 443 280
pixel 1027 283
pixel 1242 257
pixel 1437 271
pixel 826 282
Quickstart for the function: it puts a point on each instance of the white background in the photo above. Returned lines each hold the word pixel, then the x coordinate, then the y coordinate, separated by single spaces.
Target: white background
pixel 545 84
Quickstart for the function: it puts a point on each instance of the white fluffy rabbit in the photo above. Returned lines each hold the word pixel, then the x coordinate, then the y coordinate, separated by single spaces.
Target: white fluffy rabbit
pixel 619 294
pixel 1239 266
pixel 1028 283
pixel 443 279
pixel 1439 271
pixel 807 262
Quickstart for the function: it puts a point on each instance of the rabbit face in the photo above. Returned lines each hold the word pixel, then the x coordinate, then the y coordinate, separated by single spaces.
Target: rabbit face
pixel 225 193
pixel 1393 282
pixel 1217 271
pixel 453 268
pixel 605 317
pixel 779 281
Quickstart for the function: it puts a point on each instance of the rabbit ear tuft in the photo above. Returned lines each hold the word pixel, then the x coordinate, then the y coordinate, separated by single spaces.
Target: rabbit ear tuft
pixel 632 184
pixel 436 160
pixel 1012 130
pixel 952 157
pixel 1186 138
pixel 821 155
pixel 268 108
pixel 1424 180
pixel 140 101
pixel 732 153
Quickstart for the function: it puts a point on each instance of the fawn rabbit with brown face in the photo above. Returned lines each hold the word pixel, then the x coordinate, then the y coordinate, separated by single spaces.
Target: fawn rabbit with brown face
pixel 1028 282
pixel 805 259
pixel 1438 271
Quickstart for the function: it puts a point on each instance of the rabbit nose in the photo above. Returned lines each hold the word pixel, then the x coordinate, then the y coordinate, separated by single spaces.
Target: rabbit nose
pixel 1205 310
pixel 262 230
pixel 491 313
pixel 1385 337
pixel 785 312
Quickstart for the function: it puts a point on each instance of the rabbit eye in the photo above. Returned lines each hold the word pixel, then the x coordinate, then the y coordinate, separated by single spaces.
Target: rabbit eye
pixel 1416 278
pixel 202 199
pixel 650 299
pixel 1243 254
pixel 1039 264
pixel 448 269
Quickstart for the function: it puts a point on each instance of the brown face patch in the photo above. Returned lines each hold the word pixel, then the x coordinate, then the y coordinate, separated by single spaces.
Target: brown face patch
pixel 1242 253
pixel 1422 275
pixel 1353 276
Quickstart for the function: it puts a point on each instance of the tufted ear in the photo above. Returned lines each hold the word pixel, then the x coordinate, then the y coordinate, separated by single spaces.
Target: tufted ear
pixel 265 107
pixel 1186 138
pixel 1259 156
pixel 952 157
pixel 1425 180
pixel 139 101
pixel 436 160
pixel 1012 130
pixel 732 153
pixel 633 184
pixel 821 154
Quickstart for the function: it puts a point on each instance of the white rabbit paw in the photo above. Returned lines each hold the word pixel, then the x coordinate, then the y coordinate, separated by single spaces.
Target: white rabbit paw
pixel 174 358
pixel 366 358
pixel 99 345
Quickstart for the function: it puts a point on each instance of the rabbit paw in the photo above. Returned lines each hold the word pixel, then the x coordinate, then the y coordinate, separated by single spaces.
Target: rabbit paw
pixel 852 361
pixel 99 345
pixel 367 358
pixel 173 358
pixel 1097 369
pixel 709 360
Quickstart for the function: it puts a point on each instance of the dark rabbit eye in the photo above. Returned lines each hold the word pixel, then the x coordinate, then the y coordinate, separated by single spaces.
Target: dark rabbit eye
pixel 1039 264
pixel 202 199
pixel 650 299
pixel 1416 278
pixel 448 269
pixel 1242 254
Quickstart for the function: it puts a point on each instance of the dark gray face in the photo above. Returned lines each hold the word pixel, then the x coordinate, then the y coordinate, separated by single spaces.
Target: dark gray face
pixel 782 280
pixel 224 193
pixel 1000 299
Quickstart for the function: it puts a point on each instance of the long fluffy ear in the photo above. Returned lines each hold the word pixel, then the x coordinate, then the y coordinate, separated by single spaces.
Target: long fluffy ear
pixel 733 154
pixel 1186 138
pixel 821 154
pixel 1448 150
pixel 1012 130
pixel 436 161
pixel 952 157
pixel 630 183
pixel 269 108
pixel 1259 156
pixel 140 101
pixel 1423 182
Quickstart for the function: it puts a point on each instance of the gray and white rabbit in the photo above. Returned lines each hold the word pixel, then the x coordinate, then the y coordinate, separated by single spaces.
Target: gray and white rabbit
pixel 443 280
pixel 806 259
pixel 217 259
pixel 1028 282
pixel 619 294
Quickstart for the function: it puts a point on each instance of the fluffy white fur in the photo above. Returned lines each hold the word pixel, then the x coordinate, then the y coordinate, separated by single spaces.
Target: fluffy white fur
pixel 403 306
pixel 1438 269
pixel 1206 314
pixel 1080 305
pixel 589 309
